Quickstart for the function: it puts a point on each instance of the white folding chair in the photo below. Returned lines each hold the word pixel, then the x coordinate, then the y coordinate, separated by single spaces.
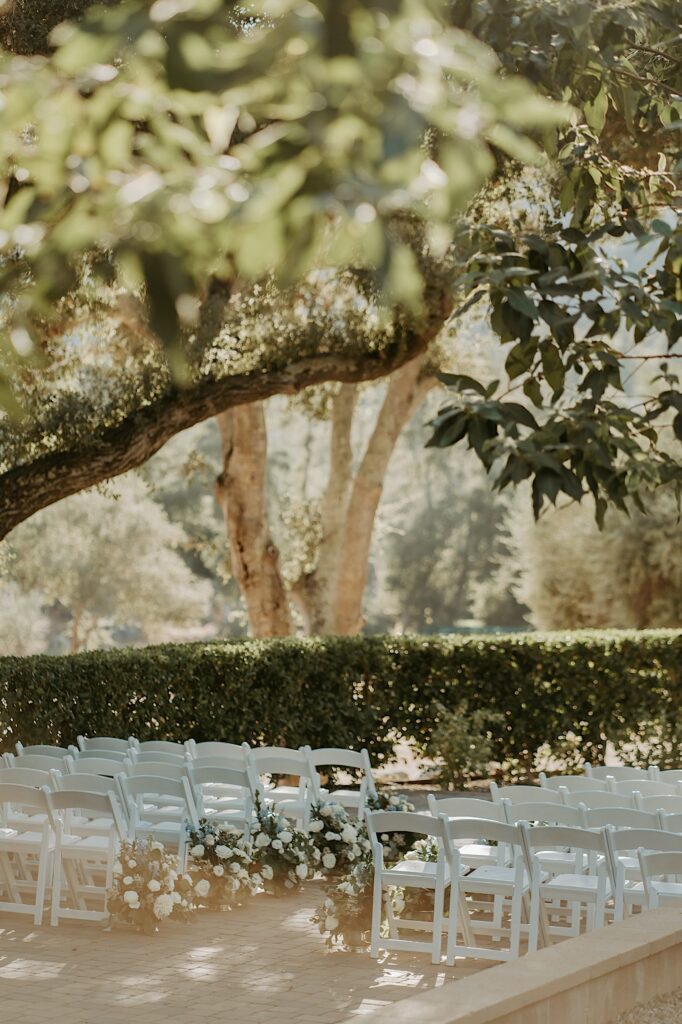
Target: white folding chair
pixel 108 743
pixel 156 757
pixel 554 862
pixel 20 817
pixel 41 762
pixel 352 760
pixel 573 783
pixel 659 802
pixel 589 884
pixel 42 750
pixel 153 803
pixel 661 877
pixel 472 854
pixel 417 874
pixel 236 809
pixel 597 798
pixel 292 801
pixel 645 787
pixel 25 851
pixel 81 782
pixel 621 773
pixel 109 766
pixel 523 794
pixel 670 821
pixel 507 884
pixel 84 853
pixel 217 749
pixel 160 747
pixel 618 817
pixel 624 844
pixel 673 775
pixel 95 754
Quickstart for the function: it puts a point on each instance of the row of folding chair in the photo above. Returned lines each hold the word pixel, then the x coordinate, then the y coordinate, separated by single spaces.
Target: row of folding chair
pixel 600 871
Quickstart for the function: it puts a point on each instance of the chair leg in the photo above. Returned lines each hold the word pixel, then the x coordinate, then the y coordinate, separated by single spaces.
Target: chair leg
pixel 534 915
pixel 376 915
pixel 451 948
pixel 438 900
pixel 41 885
pixel 56 887
pixel 515 922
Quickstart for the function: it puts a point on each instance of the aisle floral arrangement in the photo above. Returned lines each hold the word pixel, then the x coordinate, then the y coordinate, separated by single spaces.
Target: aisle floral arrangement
pixel 220 863
pixel 147 888
pixel 341 840
pixel 283 856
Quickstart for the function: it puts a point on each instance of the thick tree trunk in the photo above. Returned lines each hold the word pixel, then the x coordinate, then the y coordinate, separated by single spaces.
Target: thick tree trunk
pixel 406 389
pixel 241 492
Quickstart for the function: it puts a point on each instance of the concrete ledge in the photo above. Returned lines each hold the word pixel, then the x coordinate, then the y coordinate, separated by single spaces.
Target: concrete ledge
pixel 587 980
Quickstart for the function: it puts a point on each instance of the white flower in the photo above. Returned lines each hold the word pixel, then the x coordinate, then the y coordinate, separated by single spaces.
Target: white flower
pixel 234 884
pixel 285 836
pixel 257 879
pixel 234 868
pixel 163 905
pixel 277 845
pixel 156 846
pixel 176 897
pixel 218 870
pixel 411 855
pixel 315 826
pixel 209 840
pixel 262 839
pixel 132 863
pixel 202 887
pixel 128 880
pixel 332 837
pixel 398 904
pixel 346 887
pixel 394 801
pixel 328 903
pixel 131 898
pixel 153 885
pixel 331 923
pixel 329 861
pixel 197 851
pixel 316 855
pixel 223 852
pixel 301 871
pixel 384 837
pixel 326 811
pixel 267 872
pixel 118 868
pixel 349 834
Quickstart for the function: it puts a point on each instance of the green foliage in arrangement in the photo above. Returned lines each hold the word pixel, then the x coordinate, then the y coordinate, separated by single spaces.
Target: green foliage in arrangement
pixel 561 696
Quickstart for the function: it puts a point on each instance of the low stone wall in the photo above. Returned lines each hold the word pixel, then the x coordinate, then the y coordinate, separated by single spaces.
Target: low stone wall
pixel 587 980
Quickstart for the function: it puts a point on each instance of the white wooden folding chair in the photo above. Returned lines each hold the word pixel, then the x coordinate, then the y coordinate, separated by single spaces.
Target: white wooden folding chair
pixel 217 749
pixel 573 783
pixel 84 854
pixel 108 743
pixel 150 800
pixel 156 757
pixel 235 810
pixel 659 802
pixel 108 766
pixel 41 762
pixel 82 782
pixel 661 877
pixel 42 750
pixel 645 787
pixel 597 798
pixel 624 844
pixel 552 861
pixel 20 817
pixel 670 821
pixel 292 801
pixel 352 760
pixel 159 747
pixel 95 754
pixel 621 773
pixel 26 851
pixel 618 817
pixel 417 874
pixel 589 884
pixel 504 886
pixel 673 775
pixel 523 794
pixel 472 854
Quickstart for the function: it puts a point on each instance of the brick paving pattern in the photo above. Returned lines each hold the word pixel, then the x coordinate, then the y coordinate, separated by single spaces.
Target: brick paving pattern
pixel 263 964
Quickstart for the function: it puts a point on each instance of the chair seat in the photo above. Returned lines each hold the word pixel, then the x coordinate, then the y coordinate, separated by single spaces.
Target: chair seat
pixel 96 844
pixel 160 826
pixel 492 875
pixel 668 888
pixel 479 853
pixel 420 873
pixel 576 883
pixel 12 837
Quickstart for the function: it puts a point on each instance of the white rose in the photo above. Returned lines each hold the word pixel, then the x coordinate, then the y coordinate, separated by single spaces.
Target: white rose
pixel 223 852
pixel 331 923
pixel 202 887
pixel 209 840
pixel 234 868
pixel 218 870
pixel 326 811
pixel 267 872
pixel 277 845
pixel 131 898
pixel 301 871
pixel 118 868
pixel 332 837
pixel 176 897
pixel 394 801
pixel 316 855
pixel 315 826
pixel 384 837
pixel 128 880
pixel 163 906
pixel 349 834
pixel 153 885
pixel 329 861
pixel 156 846
pixel 285 836
pixel 257 879
pixel 398 904
pixel 197 851
pixel 345 887
pixel 262 839
pixel 132 863
pixel 411 855
pixel 234 884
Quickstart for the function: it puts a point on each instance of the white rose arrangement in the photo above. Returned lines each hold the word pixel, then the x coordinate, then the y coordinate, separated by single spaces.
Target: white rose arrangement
pixel 283 856
pixel 342 841
pixel 220 865
pixel 147 888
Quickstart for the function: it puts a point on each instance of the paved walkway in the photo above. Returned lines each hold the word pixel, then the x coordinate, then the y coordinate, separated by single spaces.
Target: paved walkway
pixel 264 964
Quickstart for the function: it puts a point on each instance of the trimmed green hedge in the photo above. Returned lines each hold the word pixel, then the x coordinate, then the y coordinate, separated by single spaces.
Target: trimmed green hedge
pixel 562 695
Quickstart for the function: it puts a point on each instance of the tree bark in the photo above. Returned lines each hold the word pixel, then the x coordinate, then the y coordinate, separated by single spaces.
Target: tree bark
pixel 406 389
pixel 242 495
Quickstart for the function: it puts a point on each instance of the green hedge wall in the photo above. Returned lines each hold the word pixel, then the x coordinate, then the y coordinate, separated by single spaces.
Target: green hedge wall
pixel 562 695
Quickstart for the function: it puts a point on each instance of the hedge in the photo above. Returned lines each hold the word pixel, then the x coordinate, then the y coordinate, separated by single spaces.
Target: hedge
pixel 562 695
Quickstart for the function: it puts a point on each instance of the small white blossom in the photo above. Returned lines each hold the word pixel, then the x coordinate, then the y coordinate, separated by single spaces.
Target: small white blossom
pixel 197 851
pixel 163 905
pixel 218 870
pixel 329 861
pixel 153 885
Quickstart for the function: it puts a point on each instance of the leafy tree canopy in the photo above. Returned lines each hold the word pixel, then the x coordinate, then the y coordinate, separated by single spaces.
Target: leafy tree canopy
pixel 205 204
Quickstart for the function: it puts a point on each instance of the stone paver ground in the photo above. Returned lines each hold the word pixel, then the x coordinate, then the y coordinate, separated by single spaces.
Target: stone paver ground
pixel 263 964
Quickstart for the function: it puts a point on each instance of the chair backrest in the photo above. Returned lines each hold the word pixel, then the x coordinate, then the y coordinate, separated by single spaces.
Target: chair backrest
pixel 24 796
pixel 645 787
pixel 217 749
pixel 621 839
pixel 81 782
pixel 282 761
pixel 42 762
pixel 523 794
pixel 107 755
pixel 492 831
pixel 220 775
pixel 65 803
pixel 108 743
pixel 161 747
pixel 164 790
pixel 95 766
pixel 659 802
pixel 466 807
pixel 42 750
pixel 673 775
pixel 583 843
pixel 233 761
pixel 539 811
pixel 617 772
pixel 572 783
pixel 620 817
pixel 157 757
pixel 162 769
pixel 341 757
pixel 598 798
pixel 671 822
pixel 28 776
pixel 656 865
pixel 380 822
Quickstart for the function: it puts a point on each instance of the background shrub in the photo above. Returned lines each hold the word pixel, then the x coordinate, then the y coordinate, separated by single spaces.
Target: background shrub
pixel 561 695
